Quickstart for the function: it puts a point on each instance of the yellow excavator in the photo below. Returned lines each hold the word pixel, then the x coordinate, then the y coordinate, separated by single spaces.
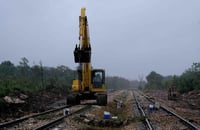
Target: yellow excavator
pixel 90 83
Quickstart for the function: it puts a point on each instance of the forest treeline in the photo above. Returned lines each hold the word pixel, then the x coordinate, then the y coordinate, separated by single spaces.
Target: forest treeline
pixel 189 80
pixel 38 77
pixel 116 82
pixel 32 78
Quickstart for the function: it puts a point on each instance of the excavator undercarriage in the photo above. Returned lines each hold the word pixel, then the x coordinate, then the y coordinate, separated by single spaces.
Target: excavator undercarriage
pixel 75 98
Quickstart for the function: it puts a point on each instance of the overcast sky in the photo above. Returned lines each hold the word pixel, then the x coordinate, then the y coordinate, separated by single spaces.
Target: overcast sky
pixel 129 38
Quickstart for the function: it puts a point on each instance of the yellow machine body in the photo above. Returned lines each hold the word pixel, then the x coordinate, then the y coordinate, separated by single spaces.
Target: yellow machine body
pixel 90 83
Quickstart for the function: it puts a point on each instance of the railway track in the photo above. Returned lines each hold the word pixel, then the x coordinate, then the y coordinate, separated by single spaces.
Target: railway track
pixel 179 121
pixel 54 119
pixel 146 123
pixel 42 120
pixel 34 121
pixel 19 120
pixel 60 120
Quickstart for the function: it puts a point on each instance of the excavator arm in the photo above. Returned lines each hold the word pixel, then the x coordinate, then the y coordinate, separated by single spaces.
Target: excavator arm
pixel 82 52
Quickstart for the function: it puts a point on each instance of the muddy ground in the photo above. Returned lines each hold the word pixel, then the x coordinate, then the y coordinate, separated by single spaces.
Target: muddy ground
pixel 23 103
pixel 187 105
pixel 190 100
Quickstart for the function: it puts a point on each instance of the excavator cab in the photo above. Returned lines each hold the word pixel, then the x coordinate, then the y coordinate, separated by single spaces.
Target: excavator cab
pixel 95 91
pixel 98 78
pixel 172 93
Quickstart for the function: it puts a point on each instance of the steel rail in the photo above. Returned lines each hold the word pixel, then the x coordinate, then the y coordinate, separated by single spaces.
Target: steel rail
pixel 13 122
pixel 60 119
pixel 50 124
pixel 188 123
pixel 149 126
pixel 181 118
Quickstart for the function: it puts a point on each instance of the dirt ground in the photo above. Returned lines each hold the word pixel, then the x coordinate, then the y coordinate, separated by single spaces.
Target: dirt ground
pixel 23 103
pixel 190 100
pixel 187 105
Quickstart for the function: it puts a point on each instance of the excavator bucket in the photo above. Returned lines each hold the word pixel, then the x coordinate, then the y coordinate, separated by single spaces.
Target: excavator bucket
pixel 82 55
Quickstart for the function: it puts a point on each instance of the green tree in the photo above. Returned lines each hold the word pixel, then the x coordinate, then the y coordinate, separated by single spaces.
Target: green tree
pixel 116 82
pixel 7 68
pixel 189 80
pixel 154 80
pixel 24 67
